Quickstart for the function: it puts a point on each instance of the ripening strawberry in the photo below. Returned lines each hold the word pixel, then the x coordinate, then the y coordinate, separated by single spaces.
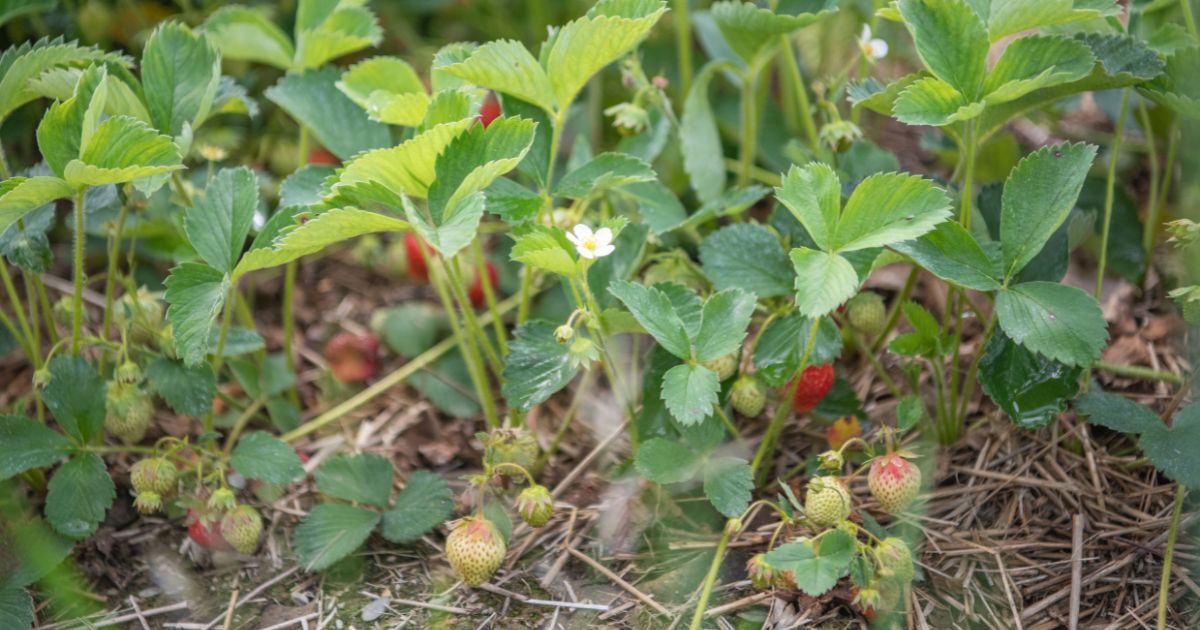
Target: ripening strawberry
pixel 204 530
pixel 322 157
pixel 241 527
pixel 894 482
pixel 535 506
pixel 724 366
pixel 416 254
pixel 153 474
pixel 489 111
pixel 353 358
pixel 477 295
pixel 475 550
pixel 827 501
pixel 895 559
pixel 748 396
pixel 128 410
pixel 761 574
pixel 843 430
pixel 812 386
pixel 867 313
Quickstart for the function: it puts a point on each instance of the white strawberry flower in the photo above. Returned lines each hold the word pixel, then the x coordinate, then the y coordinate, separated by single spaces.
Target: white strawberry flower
pixel 590 244
pixel 873 49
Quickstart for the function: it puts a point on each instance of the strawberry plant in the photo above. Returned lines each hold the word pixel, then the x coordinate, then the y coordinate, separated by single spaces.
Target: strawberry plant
pixel 726 235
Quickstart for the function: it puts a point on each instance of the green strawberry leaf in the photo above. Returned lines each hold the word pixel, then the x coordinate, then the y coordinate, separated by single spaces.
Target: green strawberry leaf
pixel 602 173
pixel 1038 197
pixel 20 196
pixel 951 41
pixel 389 89
pixel 889 208
pixel 728 483
pixel 188 391
pixel 180 73
pixel 699 138
pixel 80 493
pixel 932 101
pixel 330 532
pixel 311 98
pixel 1172 450
pixel 364 478
pixel 690 392
pixel 1036 62
pixel 327 30
pixel 813 194
pixel 313 236
pixel 27 445
pixel 752 32
pixel 505 66
pixel 815 570
pixel 536 366
pixel 1116 412
pixel 219 220
pixel 16 606
pixel 122 149
pixel 425 503
pixel 76 397
pixel 19 65
pixel 1178 88
pixel 951 253
pixel 260 455
pixel 68 125
pixel 823 281
pixel 195 293
pixel 1060 322
pixel 723 324
pixel 1009 17
pixel 247 34
pixel 749 257
pixel 665 461
pixel 654 310
pixel 1029 388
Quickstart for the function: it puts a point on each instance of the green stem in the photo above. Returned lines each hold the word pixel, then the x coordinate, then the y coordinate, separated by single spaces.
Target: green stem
pixel 110 278
pixel 968 195
pixel 469 350
pixel 710 580
pixel 1160 202
pixel 1110 190
pixel 47 312
pixel 489 297
pixel 749 124
pixel 1169 556
pixel 947 432
pixel 77 304
pixel 547 209
pixel 385 384
pixel 19 308
pixel 775 428
pixel 1189 18
pixel 585 384
pixel 683 46
pixel 475 332
pixel 973 370
pixel 289 317
pixel 894 314
pixel 861 346
pixel 240 425
pixel 1138 372
pixel 796 79
pixel 4 172
pixel 1148 236
pixel 16 334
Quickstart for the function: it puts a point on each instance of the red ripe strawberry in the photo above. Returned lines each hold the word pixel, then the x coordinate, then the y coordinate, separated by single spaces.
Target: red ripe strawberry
pixel 477 295
pixel 353 358
pixel 812 386
pixel 761 574
pixel 490 110
pixel 322 157
pixel 894 482
pixel 204 530
pixel 416 252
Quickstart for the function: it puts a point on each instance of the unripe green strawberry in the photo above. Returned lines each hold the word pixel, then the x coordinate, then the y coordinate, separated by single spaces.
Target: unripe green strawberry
pixel 867 313
pixel 129 372
pixel 827 501
pixel 128 410
pixel 894 482
pixel 143 313
pixel 535 505
pixel 761 574
pixel 240 527
pixel 724 366
pixel 222 500
pixel 148 502
pixel 748 396
pixel 512 446
pixel 154 474
pixel 475 550
pixel 895 559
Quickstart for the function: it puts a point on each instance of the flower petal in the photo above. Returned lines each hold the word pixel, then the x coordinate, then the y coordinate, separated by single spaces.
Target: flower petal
pixel 585 252
pixel 605 250
pixel 582 231
pixel 604 236
pixel 866 33
pixel 879 48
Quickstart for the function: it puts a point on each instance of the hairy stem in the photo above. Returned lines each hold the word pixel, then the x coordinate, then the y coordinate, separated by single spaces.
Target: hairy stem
pixel 710 580
pixel 683 45
pixel 775 428
pixel 77 303
pixel 1110 190
pixel 1169 556
pixel 796 80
